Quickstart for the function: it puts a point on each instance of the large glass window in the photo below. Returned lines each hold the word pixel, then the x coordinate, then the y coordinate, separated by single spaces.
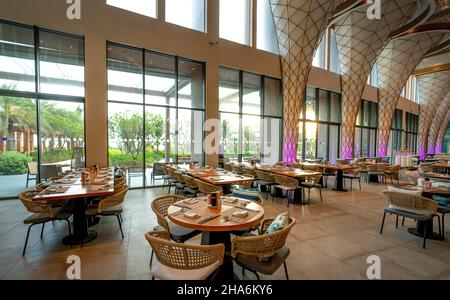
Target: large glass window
pixel 251 114
pixel 395 138
pixel 186 13
pixel 266 35
pixel 155 113
pixel 28 152
pixel 334 54
pixel 320 126
pixel 234 21
pixel 143 7
pixel 412 130
pixel 319 55
pixel 366 130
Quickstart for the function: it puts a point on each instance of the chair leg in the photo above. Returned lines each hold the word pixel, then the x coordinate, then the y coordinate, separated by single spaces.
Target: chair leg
pixel 382 223
pixel 403 222
pixel 42 230
pixel 396 222
pixel 257 276
pixel 425 235
pixel 28 178
pixel 70 230
pixel 359 183
pixel 351 184
pixel 439 224
pixel 443 227
pixel 320 191
pixel 243 273
pixel 120 225
pixel 151 259
pixel 26 239
pixel 286 271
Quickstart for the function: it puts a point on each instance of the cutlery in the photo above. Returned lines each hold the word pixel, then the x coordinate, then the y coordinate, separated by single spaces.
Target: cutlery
pixel 206 219
pixel 247 209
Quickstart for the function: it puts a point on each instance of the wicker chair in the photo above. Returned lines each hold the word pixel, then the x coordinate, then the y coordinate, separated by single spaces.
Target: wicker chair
pixel 249 171
pixel 411 206
pixel 191 186
pixel 110 206
pixel 354 174
pixel 265 180
pixel 160 206
pixel 41 214
pixel 227 167
pixel 286 184
pixel 183 262
pixel 238 169
pixel 246 185
pixel 264 253
pixel 377 170
pixel 312 182
pixel 179 184
pixel 206 188
pixel 171 181
pixel 393 172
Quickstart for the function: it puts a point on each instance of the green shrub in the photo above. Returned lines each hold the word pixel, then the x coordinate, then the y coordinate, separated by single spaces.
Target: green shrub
pixel 13 163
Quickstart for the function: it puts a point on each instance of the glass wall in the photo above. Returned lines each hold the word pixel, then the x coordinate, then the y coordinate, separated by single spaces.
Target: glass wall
pixel 395 137
pixel 319 127
pixel 234 21
pixel 155 112
pixel 266 35
pixel 186 13
pixel 251 116
pixel 146 8
pixel 41 125
pixel 412 130
pixel 366 130
pixel 334 54
pixel 319 54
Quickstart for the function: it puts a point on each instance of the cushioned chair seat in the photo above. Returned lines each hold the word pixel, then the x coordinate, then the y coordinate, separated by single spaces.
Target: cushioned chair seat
pixel 419 215
pixel 180 185
pixel 189 190
pixel 181 234
pixel 36 218
pixel 286 188
pixel 113 210
pixel 264 267
pixel 264 182
pixel 166 273
pixel 310 185
pixel 443 201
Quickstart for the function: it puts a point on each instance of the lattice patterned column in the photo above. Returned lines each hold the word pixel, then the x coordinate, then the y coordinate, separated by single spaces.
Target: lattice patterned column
pixel 360 40
pixel 432 90
pixel 299 25
pixel 441 135
pixel 395 64
pixel 436 123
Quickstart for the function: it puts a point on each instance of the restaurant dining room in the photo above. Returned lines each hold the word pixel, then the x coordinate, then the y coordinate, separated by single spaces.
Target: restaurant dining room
pixel 224 141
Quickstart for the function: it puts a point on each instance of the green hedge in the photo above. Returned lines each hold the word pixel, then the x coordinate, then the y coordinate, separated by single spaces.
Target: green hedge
pixel 13 163
pixel 53 155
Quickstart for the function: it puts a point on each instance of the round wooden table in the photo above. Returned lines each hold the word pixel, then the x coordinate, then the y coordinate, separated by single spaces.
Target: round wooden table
pixel 217 230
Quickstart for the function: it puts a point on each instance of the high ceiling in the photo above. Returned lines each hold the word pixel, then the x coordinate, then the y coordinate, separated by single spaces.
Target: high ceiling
pixel 410 37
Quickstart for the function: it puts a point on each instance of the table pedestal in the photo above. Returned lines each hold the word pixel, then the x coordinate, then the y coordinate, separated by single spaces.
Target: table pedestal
pixel 294 197
pixel 373 179
pixel 420 227
pixel 226 271
pixel 340 181
pixel 81 234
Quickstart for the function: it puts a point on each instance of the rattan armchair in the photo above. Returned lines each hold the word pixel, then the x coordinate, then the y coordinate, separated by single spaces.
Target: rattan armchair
pixel 238 169
pixel 312 182
pixel 265 180
pixel 287 184
pixel 110 206
pixel 207 188
pixel 183 262
pixel 227 167
pixel 393 172
pixel 41 213
pixel 264 253
pixel 354 174
pixel 411 206
pixel 160 206
pixel 191 186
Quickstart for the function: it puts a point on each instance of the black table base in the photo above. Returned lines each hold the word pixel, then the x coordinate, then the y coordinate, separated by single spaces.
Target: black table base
pixel 294 197
pixel 373 179
pixel 420 227
pixel 340 181
pixel 81 234
pixel 226 271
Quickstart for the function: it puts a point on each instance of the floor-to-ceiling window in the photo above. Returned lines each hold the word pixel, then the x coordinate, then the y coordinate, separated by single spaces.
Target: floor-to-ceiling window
pixel 366 130
pixel 186 13
pixel 41 105
pixel 319 127
pixel 412 130
pixel 235 20
pixel 250 116
pixel 395 137
pixel 155 112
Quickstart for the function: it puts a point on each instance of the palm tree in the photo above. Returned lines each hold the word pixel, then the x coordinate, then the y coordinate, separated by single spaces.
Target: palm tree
pixel 15 113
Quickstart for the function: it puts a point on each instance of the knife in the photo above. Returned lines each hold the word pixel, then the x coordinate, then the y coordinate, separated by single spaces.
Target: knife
pixel 206 219
pixel 247 209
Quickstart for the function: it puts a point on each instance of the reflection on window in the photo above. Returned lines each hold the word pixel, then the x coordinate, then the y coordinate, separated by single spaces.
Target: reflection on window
pixel 143 7
pixel 266 35
pixel 374 76
pixel 61 64
pixel 17 58
pixel 247 132
pixel 334 54
pixel 186 13
pixel 165 128
pixel 234 21
pixel 319 55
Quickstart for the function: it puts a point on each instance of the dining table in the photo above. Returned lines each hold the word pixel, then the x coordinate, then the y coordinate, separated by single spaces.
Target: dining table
pixel 217 224
pixel 71 187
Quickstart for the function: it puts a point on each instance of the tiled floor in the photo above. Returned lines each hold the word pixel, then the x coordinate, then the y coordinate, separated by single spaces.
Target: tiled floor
pixel 330 241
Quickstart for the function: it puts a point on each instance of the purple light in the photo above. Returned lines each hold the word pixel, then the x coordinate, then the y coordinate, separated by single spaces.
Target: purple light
pixel 438 149
pixel 346 152
pixel 422 155
pixel 431 150
pixel 290 150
